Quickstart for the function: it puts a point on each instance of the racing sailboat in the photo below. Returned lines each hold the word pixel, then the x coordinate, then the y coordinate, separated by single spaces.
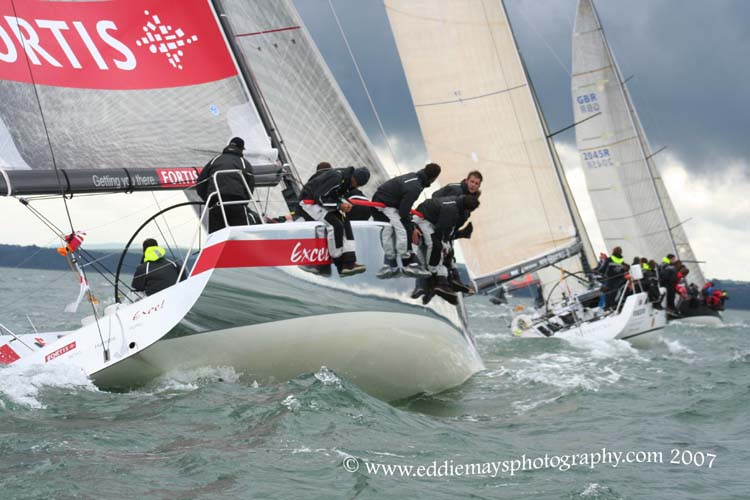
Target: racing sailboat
pixel 124 96
pixel 631 202
pixel 477 110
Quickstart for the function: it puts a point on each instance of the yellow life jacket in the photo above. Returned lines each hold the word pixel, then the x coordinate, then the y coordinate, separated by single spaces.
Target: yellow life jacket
pixel 617 260
pixel 152 254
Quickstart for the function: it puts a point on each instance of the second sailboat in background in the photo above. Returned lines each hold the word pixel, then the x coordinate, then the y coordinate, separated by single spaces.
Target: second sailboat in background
pixel 477 110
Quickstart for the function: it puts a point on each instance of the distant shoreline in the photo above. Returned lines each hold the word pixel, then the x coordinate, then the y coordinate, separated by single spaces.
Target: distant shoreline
pixel 34 257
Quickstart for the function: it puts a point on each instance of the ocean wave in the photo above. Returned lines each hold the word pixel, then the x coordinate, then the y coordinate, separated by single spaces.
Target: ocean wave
pixel 23 385
pixel 559 370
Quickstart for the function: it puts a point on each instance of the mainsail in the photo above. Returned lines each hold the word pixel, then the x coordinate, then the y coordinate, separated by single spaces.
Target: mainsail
pixel 477 111
pixel 137 84
pixel 299 89
pixel 631 202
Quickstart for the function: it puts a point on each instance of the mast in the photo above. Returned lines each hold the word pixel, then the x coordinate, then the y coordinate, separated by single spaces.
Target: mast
pixel 631 110
pixel 291 189
pixel 581 233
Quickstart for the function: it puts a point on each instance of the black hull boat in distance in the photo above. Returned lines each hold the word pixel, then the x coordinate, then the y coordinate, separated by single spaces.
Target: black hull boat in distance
pixel 698 313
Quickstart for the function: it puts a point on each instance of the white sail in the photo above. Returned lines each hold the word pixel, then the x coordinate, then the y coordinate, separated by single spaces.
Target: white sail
pixel 477 110
pixel 631 202
pixel 299 89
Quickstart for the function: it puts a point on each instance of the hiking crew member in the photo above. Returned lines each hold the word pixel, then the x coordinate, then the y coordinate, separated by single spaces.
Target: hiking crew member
pixel 470 185
pixel 231 187
pixel 442 217
pixel 155 272
pixel 399 194
pixel 328 189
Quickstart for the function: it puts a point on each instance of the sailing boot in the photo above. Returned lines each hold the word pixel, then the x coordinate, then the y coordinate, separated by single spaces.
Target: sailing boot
pixel 324 270
pixel 389 270
pixel 459 286
pixel 413 269
pixel 352 269
pixel 443 289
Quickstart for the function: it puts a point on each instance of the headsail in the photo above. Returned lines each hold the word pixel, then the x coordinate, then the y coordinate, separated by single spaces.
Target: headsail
pixel 477 110
pixel 631 202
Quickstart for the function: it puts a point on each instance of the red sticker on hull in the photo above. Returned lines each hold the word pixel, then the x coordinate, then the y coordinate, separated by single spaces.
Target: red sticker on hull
pixel 268 253
pixel 54 354
pixel 7 355
pixel 118 45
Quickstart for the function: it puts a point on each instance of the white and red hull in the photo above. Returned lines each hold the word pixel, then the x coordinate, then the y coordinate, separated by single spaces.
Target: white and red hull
pixel 248 305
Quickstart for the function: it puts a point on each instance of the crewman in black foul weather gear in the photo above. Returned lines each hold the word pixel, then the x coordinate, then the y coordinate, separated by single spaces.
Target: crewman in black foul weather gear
pixel 668 279
pixel 155 272
pixel 650 282
pixel 399 194
pixel 615 276
pixel 231 187
pixel 470 185
pixel 440 219
pixel 327 189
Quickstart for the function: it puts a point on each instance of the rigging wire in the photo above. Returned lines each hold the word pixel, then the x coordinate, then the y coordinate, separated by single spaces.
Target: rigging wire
pixel 328 102
pixel 54 164
pixel 544 41
pixel 44 120
pixel 50 225
pixel 169 229
pixel 364 86
pixel 101 269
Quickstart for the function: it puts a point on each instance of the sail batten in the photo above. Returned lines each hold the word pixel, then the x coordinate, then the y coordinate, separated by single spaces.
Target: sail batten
pixel 631 202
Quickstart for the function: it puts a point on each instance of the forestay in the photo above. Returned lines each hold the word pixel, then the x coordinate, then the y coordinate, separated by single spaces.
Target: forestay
pixel 477 110
pixel 631 202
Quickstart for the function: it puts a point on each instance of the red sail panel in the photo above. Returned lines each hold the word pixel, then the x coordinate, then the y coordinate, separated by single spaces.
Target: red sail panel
pixel 115 45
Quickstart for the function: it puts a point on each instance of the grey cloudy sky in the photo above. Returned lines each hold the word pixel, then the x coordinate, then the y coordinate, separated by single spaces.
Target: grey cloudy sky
pixel 688 59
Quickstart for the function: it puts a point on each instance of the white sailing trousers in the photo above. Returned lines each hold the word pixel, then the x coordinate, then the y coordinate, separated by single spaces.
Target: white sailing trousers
pixel 346 240
pixel 428 244
pixel 394 237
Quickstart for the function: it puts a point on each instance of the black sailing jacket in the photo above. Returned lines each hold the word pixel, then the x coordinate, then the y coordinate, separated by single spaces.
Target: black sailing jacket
pixel 230 185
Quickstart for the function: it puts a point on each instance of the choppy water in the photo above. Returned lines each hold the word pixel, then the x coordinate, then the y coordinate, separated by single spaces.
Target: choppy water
pixel 205 434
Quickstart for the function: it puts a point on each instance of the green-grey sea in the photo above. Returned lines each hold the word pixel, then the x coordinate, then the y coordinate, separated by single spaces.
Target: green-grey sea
pixel 547 419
